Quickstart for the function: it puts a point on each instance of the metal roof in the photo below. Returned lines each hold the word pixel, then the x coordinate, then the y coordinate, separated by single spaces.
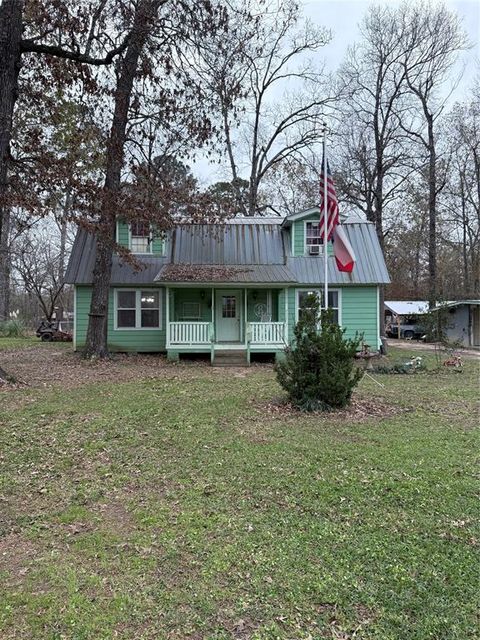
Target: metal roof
pixel 260 243
pixel 82 260
pixel 262 248
pixel 370 267
pixel 407 307
pixel 455 303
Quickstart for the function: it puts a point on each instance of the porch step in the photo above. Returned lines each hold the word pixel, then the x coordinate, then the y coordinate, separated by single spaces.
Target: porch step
pixel 233 358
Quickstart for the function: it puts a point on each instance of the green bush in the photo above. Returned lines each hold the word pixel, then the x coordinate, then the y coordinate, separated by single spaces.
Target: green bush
pixel 13 328
pixel 319 371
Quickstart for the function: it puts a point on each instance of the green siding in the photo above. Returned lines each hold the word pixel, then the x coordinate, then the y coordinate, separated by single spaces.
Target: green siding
pixel 291 312
pixel 158 245
pixel 122 234
pixel 203 297
pixel 147 340
pixel 298 235
pixel 360 313
pixel 281 305
pixel 358 310
pixel 123 237
pixel 260 296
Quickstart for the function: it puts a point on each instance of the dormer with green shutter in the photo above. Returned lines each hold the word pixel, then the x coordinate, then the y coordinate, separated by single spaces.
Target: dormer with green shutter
pixel 140 238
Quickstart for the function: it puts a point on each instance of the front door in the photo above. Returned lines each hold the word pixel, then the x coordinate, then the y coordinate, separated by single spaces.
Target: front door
pixel 227 316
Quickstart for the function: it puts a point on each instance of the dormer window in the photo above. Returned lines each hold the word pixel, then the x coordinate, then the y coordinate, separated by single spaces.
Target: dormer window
pixel 313 241
pixel 140 237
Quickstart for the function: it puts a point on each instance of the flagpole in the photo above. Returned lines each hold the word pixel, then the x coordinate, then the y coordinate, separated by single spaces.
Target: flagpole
pixel 325 214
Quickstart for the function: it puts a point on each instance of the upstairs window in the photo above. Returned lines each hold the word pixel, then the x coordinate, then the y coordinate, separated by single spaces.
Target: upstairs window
pixel 140 237
pixel 313 239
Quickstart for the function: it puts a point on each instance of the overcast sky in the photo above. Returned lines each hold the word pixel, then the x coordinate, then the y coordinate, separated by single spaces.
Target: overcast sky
pixel 342 17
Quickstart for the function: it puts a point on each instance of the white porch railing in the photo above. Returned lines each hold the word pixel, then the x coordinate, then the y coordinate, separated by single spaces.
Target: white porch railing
pixel 266 333
pixel 189 333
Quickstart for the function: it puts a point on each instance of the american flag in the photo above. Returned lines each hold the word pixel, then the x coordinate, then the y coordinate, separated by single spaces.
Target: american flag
pixel 332 203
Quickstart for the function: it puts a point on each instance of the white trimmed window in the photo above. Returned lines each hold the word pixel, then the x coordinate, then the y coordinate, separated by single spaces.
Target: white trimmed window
pixel 140 237
pixel 312 238
pixel 137 309
pixel 304 295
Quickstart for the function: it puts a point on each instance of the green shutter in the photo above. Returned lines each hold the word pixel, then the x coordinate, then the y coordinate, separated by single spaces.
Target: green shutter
pixel 122 234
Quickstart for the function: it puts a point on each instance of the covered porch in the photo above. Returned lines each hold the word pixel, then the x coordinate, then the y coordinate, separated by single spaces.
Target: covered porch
pixel 214 319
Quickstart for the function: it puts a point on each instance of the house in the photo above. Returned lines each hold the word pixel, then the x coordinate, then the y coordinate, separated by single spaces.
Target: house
pixel 461 321
pixel 235 288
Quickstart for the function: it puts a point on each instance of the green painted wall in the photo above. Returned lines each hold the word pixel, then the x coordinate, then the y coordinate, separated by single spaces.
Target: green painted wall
pixel 202 297
pixel 122 234
pixel 281 305
pixel 158 245
pixel 260 296
pixel 360 313
pixel 298 234
pixel 147 340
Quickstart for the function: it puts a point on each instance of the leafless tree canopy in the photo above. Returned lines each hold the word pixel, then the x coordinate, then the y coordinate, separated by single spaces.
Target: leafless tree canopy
pixel 105 105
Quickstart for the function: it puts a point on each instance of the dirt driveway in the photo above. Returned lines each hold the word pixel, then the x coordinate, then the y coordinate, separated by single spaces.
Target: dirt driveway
pixel 415 345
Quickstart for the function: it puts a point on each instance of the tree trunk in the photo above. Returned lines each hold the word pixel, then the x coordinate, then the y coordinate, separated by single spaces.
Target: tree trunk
pixel 466 275
pixel 97 338
pixel 62 253
pixel 10 56
pixel 432 214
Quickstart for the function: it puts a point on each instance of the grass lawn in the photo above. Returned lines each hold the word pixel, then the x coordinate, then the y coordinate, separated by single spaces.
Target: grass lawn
pixel 187 504
pixel 18 343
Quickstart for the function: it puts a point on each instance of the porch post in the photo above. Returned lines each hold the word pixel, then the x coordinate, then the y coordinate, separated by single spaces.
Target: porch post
pixel 286 316
pixel 212 344
pixel 167 316
pixel 245 337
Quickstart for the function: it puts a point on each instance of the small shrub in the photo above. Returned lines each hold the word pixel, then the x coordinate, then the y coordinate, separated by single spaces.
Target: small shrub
pixel 415 365
pixel 319 371
pixel 13 328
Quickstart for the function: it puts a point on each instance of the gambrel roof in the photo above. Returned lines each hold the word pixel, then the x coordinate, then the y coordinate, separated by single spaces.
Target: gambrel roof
pixel 252 251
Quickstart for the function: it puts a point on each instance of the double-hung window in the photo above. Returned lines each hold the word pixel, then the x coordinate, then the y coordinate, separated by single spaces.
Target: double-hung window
pixel 312 237
pixel 304 297
pixel 137 309
pixel 140 237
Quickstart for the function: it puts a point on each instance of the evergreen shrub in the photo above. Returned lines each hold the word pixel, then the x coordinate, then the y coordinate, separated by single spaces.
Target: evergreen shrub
pixel 319 370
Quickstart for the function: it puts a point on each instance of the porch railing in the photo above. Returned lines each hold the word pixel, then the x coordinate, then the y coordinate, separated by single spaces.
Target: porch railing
pixel 266 333
pixel 189 333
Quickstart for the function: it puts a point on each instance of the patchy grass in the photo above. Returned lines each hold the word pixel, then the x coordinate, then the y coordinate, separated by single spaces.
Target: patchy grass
pixel 18 343
pixel 183 506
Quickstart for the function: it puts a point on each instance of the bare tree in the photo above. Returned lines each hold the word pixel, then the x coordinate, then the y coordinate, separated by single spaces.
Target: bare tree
pixel 461 197
pixel 162 37
pixel 38 257
pixel 271 96
pixel 54 31
pixel 433 37
pixel 372 159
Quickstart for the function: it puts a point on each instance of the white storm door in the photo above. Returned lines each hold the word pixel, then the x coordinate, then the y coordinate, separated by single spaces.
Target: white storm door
pixel 228 314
